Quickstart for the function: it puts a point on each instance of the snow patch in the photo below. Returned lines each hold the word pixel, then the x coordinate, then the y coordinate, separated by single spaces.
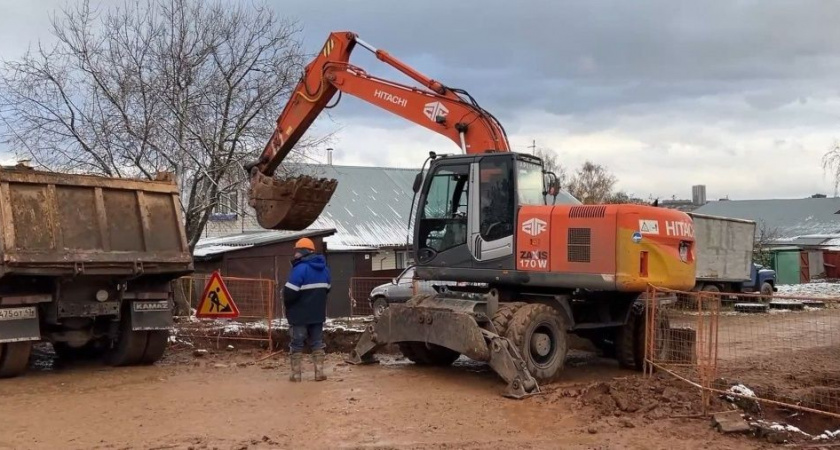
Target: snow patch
pixel 740 389
pixel 818 289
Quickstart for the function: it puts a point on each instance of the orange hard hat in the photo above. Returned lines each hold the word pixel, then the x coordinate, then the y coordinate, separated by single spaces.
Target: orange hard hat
pixel 305 243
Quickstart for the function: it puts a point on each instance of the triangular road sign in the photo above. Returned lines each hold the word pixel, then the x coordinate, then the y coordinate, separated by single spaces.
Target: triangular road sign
pixel 216 301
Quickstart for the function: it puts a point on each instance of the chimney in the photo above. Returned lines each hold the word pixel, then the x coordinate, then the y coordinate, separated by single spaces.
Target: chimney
pixel 329 155
pixel 698 195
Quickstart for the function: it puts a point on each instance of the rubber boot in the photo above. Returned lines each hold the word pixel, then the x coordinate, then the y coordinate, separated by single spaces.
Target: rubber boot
pixel 295 359
pixel 318 358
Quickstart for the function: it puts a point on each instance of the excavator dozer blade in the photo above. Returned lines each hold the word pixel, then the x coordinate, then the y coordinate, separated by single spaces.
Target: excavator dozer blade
pixel 440 323
pixel 289 204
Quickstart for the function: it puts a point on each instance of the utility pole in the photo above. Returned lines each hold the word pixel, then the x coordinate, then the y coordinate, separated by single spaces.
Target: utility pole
pixel 533 146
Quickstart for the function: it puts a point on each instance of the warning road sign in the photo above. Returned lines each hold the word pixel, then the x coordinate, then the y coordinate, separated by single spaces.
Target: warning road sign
pixel 216 301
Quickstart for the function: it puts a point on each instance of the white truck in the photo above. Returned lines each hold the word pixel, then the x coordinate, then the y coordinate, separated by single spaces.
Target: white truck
pixel 724 252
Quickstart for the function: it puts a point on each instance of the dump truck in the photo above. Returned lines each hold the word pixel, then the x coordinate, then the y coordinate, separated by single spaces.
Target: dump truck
pixel 489 216
pixel 725 249
pixel 87 264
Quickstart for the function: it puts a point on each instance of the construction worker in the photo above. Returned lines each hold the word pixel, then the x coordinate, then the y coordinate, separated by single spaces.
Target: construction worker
pixel 305 298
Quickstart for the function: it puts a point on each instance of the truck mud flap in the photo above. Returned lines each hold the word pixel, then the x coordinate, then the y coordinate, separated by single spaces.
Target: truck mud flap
pixel 19 324
pixel 147 315
pixel 457 331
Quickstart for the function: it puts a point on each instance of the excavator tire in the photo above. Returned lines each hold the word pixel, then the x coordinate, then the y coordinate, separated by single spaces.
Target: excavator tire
pixel 539 333
pixel 625 343
pixel 630 340
pixel 503 315
pixel 424 354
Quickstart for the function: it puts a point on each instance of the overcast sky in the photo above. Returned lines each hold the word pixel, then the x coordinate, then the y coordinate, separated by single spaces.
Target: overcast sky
pixel 742 96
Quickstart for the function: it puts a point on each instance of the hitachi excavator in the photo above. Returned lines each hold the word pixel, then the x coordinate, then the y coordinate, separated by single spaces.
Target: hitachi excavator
pixel 546 264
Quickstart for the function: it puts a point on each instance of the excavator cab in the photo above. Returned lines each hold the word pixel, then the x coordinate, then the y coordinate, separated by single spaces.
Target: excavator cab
pixel 468 207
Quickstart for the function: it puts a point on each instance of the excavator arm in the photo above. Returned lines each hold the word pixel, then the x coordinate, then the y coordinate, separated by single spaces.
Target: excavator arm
pixel 296 203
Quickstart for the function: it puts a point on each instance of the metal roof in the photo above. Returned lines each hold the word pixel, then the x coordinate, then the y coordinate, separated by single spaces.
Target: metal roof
pixel 789 218
pixel 370 206
pixel 207 248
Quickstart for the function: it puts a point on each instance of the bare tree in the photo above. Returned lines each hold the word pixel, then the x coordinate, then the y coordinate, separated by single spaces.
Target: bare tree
pixel 592 183
pixel 549 158
pixel 622 197
pixel 831 162
pixel 764 236
pixel 186 86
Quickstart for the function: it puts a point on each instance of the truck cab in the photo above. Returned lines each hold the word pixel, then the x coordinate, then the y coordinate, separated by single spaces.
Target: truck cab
pixel 762 280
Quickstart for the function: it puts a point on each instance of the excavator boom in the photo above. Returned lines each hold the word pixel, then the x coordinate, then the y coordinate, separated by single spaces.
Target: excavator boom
pixel 293 204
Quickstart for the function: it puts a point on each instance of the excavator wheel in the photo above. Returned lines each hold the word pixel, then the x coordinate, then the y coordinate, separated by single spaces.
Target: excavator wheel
pixel 421 353
pixel 539 333
pixel 630 340
pixel 503 315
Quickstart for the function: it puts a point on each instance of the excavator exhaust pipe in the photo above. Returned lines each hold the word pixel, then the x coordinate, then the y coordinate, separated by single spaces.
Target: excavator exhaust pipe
pixel 289 204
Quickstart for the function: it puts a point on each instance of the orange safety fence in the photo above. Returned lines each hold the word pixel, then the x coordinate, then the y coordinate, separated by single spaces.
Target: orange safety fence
pixel 254 298
pixel 780 351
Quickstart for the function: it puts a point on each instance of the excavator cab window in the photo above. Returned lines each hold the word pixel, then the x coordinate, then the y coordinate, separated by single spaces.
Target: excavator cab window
pixel 443 223
pixel 530 183
pixel 496 194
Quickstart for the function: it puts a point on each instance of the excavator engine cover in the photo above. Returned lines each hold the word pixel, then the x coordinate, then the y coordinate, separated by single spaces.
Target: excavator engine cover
pixel 289 204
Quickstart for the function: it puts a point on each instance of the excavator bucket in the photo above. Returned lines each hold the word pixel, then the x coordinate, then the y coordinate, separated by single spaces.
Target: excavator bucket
pixel 436 329
pixel 289 204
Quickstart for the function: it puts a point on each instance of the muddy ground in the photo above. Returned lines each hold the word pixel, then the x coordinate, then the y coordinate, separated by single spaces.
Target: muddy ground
pixel 226 400
pixel 238 399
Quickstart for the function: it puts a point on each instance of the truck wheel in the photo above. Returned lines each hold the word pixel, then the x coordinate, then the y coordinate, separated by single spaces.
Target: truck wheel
pixel 503 316
pixel 156 343
pixel 14 358
pixel 379 306
pixel 539 333
pixel 766 289
pixel 130 346
pixel 428 354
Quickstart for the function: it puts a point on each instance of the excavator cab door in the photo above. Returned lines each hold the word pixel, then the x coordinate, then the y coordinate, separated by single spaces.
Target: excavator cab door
pixel 467 214
pixel 492 208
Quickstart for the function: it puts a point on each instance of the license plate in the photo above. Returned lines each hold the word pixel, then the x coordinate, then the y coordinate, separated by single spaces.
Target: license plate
pixel 18 313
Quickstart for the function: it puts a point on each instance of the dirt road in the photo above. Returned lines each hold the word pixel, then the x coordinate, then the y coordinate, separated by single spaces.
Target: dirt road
pixel 218 401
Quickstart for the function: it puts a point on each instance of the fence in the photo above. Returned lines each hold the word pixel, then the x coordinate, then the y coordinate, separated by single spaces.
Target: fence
pixel 360 288
pixel 254 297
pixel 779 351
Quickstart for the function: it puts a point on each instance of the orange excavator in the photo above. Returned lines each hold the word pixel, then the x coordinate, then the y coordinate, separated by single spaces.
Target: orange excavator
pixel 536 264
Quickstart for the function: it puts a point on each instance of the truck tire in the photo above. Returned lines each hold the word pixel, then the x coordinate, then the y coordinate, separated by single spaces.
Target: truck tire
pixel 766 289
pixel 539 333
pixel 14 358
pixel 424 354
pixel 713 288
pixel 503 316
pixel 156 342
pixel 129 348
